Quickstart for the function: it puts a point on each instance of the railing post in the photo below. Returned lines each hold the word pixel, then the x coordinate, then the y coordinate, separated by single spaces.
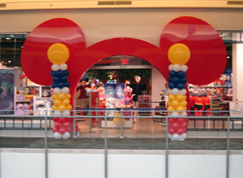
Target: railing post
pixel 166 149
pixel 121 125
pixel 46 155
pixel 74 126
pixel 228 147
pixel 106 168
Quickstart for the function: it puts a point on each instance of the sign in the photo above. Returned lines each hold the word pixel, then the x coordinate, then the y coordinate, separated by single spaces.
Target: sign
pixel 236 108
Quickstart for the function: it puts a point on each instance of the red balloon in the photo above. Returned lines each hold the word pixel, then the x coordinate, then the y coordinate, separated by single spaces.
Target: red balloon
pixel 171 131
pixel 55 129
pixel 55 119
pixel 180 131
pixel 69 129
pixel 184 125
pixel 62 120
pixel 170 120
pixel 69 119
pixel 180 121
pixel 57 125
pixel 175 126
pixel 66 124
pixel 62 130
pixel 185 130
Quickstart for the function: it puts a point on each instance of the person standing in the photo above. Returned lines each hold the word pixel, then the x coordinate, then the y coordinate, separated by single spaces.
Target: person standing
pixel 82 100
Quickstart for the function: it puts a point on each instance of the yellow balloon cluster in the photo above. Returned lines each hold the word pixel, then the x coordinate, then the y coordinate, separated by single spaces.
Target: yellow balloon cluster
pixel 61 101
pixel 179 54
pixel 177 103
pixel 58 53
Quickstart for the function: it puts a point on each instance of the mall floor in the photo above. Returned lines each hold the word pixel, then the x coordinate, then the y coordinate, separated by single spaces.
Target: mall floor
pixel 144 134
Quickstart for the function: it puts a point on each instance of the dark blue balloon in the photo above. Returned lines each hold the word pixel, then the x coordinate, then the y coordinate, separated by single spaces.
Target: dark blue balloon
pixel 56 79
pixel 176 80
pixel 181 74
pixel 54 85
pixel 53 73
pixel 171 85
pixel 183 80
pixel 180 86
pixel 60 84
pixel 170 79
pixel 59 73
pixel 66 84
pixel 66 72
pixel 64 79
pixel 172 73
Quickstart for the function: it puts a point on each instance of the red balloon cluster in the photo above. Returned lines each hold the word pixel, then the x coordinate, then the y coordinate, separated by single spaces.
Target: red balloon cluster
pixel 177 126
pixel 63 125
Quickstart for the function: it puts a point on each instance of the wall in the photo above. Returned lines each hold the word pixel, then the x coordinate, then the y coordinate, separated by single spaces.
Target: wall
pixel 29 163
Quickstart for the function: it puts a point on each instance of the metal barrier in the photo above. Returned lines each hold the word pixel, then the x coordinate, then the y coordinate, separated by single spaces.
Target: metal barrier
pixel 48 118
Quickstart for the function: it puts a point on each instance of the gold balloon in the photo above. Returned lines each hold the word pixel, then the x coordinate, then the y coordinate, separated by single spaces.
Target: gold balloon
pixel 54 107
pixel 66 102
pixel 175 104
pixel 183 103
pixel 179 54
pixel 171 97
pixel 170 109
pixel 61 107
pixel 57 102
pixel 58 53
pixel 61 96
pixel 180 97
pixel 68 96
pixel 54 96
pixel 169 103
pixel 69 107
pixel 185 97
pixel 180 108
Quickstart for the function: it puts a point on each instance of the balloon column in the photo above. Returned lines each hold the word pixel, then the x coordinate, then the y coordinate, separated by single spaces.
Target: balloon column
pixel 178 55
pixel 58 54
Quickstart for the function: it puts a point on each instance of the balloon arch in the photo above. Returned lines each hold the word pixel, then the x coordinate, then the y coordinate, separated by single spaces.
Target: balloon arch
pixel 55 54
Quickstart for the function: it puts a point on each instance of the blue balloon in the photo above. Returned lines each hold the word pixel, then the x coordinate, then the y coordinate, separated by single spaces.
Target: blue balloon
pixel 66 84
pixel 54 85
pixel 181 74
pixel 53 73
pixel 171 85
pixel 56 79
pixel 170 79
pixel 59 73
pixel 60 84
pixel 183 80
pixel 66 72
pixel 64 79
pixel 175 80
pixel 172 73
pixel 180 86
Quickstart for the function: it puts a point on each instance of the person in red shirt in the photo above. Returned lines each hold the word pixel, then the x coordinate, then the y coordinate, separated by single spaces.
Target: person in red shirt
pixel 82 99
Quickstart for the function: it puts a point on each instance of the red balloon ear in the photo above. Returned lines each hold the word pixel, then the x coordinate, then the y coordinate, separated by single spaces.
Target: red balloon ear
pixel 208 54
pixel 34 59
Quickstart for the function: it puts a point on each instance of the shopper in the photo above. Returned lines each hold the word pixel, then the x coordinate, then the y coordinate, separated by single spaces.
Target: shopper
pixel 82 99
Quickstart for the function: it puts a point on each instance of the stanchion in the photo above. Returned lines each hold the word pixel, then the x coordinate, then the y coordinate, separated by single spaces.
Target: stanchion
pixel 74 127
pixel 46 155
pixel 228 147
pixel 121 125
pixel 106 168
pixel 166 149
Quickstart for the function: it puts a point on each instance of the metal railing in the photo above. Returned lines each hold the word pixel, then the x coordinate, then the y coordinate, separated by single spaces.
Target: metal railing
pixel 47 118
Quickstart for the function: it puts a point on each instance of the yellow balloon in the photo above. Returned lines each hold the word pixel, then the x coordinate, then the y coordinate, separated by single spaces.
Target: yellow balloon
pixel 57 102
pixel 170 109
pixel 171 97
pixel 180 108
pixel 185 97
pixel 179 54
pixel 61 107
pixel 183 103
pixel 175 104
pixel 180 97
pixel 54 96
pixel 169 103
pixel 58 53
pixel 61 96
pixel 66 102
pixel 54 107
pixel 69 107
pixel 68 96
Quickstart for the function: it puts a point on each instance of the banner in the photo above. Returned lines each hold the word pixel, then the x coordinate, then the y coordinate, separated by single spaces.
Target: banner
pixel 236 108
pixel 6 91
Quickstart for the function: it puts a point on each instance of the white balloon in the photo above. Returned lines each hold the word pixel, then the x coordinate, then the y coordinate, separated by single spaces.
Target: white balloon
pixel 175 136
pixel 137 78
pixel 182 137
pixel 57 91
pixel 169 136
pixel 171 67
pixel 57 135
pixel 175 91
pixel 169 114
pixel 66 135
pixel 175 114
pixel 66 113
pixel 169 91
pixel 55 67
pixel 176 67
pixel 65 90
pixel 57 113
pixel 63 66
pixel 183 114
pixel 184 68
pixel 183 91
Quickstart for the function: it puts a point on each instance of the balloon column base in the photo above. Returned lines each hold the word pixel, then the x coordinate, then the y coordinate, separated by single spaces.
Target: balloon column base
pixel 176 137
pixel 58 135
